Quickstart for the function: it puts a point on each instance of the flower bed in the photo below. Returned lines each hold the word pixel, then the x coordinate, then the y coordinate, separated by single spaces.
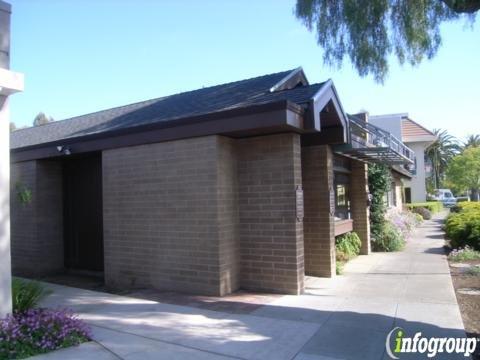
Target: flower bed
pixel 38 331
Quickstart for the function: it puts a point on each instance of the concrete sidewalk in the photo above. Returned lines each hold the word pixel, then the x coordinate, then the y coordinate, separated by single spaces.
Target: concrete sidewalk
pixel 344 318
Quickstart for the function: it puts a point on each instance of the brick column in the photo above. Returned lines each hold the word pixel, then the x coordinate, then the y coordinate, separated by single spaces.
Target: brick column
pixel 271 237
pixel 358 203
pixel 319 231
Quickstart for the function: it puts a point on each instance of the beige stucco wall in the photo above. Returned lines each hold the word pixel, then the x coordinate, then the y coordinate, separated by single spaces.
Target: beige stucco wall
pixel 417 183
pixel 5 272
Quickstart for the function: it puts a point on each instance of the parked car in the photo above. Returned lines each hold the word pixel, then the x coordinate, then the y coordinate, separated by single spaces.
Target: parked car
pixel 445 196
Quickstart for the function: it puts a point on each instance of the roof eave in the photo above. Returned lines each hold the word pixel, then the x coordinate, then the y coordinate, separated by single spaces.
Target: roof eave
pixel 280 116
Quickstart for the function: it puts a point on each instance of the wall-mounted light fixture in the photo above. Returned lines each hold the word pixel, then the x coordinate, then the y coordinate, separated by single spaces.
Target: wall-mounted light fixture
pixel 65 150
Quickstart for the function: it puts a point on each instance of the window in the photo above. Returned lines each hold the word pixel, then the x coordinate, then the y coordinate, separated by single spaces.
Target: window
pixel 342 197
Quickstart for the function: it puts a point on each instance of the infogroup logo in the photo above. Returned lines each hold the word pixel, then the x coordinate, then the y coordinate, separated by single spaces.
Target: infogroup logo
pixel 398 343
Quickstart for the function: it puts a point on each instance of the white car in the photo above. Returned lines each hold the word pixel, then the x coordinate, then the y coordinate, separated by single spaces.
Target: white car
pixel 445 196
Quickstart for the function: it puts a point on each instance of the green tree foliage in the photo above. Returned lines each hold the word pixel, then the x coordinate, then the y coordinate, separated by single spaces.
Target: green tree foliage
pixel 42 119
pixel 440 153
pixel 379 181
pixel 368 32
pixel 472 141
pixel 13 127
pixel 464 171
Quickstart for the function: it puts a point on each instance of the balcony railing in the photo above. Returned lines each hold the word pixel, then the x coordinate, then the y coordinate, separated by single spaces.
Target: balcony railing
pixel 371 144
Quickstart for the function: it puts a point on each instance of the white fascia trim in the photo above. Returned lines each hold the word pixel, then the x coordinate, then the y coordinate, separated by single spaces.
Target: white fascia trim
pixel 10 82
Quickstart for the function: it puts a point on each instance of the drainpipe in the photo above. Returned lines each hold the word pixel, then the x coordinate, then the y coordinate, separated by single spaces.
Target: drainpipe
pixel 10 82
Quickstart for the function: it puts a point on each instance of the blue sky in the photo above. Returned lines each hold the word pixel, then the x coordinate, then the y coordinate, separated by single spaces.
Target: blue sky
pixel 83 56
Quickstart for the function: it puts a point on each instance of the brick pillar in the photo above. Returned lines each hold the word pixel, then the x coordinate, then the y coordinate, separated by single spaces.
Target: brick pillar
pixel 358 202
pixel 318 224
pixel 271 236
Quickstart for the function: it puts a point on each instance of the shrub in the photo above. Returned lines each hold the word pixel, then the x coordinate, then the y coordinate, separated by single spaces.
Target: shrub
pixel 423 212
pixel 339 267
pixel 391 239
pixel 404 221
pixel 347 246
pixel 465 254
pixel 432 206
pixel 463 227
pixel 455 209
pixel 26 294
pixel 37 331
pixel 469 206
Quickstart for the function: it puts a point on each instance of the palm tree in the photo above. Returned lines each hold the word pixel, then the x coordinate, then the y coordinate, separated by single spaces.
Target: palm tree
pixel 440 152
pixel 472 141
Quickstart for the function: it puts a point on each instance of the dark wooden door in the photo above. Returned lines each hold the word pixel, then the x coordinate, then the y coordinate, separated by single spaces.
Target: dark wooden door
pixel 83 214
pixel 408 195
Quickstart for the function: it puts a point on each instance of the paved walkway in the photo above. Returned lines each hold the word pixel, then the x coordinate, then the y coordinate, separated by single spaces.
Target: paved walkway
pixel 345 318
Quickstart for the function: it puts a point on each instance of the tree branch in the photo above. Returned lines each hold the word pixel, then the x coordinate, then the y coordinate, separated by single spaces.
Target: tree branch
pixel 463 6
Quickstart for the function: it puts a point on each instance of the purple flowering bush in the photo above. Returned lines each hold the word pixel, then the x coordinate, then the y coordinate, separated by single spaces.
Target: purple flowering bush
pixel 404 221
pixel 464 254
pixel 37 331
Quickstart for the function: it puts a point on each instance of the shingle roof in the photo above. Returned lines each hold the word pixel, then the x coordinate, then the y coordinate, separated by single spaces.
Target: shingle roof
pixel 217 98
pixel 412 130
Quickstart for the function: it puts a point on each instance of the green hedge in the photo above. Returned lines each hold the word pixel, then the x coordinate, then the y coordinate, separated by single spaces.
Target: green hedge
pixel 463 226
pixel 432 206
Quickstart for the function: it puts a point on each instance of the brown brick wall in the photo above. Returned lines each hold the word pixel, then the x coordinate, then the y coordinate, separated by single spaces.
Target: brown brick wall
pixel 228 226
pixel 163 225
pixel 204 215
pixel 358 203
pixel 271 238
pixel 37 227
pixel 319 231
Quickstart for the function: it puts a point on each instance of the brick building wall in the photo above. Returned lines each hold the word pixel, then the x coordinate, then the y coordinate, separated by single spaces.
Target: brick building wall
pixel 319 230
pixel 203 215
pixel 163 226
pixel 37 226
pixel 271 238
pixel 227 211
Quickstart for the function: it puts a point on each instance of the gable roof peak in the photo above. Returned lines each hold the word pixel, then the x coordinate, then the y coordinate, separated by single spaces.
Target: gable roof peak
pixel 294 78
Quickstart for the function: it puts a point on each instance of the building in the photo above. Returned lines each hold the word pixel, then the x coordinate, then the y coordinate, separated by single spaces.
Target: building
pixel 10 83
pixel 417 138
pixel 240 185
